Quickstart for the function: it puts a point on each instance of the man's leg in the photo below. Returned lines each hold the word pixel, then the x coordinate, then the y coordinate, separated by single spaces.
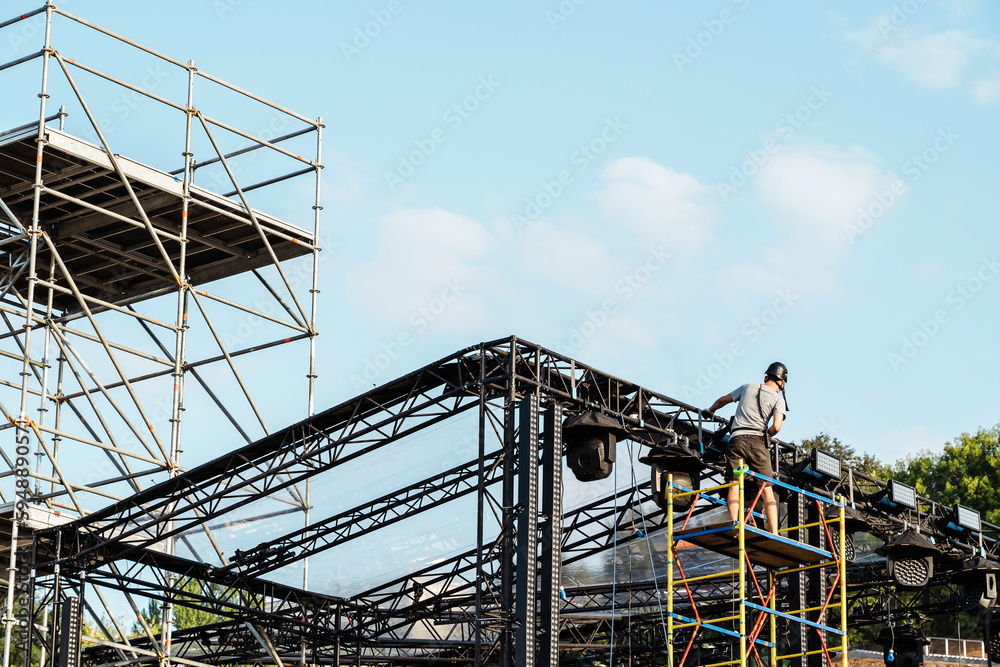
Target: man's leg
pixel 771 509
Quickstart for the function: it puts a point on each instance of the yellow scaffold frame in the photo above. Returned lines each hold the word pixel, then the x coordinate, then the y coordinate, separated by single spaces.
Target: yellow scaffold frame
pixel 731 538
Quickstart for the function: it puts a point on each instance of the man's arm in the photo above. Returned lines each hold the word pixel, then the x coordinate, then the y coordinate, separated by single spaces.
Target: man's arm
pixel 725 399
pixel 776 426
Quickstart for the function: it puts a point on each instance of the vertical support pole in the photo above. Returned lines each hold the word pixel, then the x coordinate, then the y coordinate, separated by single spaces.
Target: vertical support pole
pixel 29 638
pixel 507 501
pixel 773 620
pixel 56 439
pixel 314 290
pixel 340 629
pixel 816 583
pixel 551 533
pixel 525 599
pixel 481 509
pixel 23 494
pixel 670 570
pixel 56 592
pixel 843 583
pixel 740 525
pixel 797 584
pixel 314 300
pixel 44 394
pixel 180 349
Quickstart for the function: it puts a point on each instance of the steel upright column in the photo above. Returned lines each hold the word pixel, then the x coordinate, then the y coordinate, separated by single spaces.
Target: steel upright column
pixel 480 509
pixel 842 543
pixel 742 566
pixel 670 570
pixel 551 534
pixel 527 533
pixel 507 502
pixel 22 494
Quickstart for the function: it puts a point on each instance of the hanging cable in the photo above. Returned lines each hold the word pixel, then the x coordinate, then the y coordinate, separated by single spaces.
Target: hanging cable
pixel 649 549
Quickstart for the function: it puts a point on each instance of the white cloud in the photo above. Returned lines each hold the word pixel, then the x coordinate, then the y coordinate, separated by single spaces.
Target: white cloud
pixel 568 257
pixel 751 276
pixel 424 256
pixel 959 11
pixel 935 60
pixel 818 191
pixel 815 194
pixel 987 91
pixel 658 203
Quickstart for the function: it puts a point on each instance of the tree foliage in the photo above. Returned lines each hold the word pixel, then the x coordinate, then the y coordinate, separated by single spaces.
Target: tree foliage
pixel 184 616
pixel 967 471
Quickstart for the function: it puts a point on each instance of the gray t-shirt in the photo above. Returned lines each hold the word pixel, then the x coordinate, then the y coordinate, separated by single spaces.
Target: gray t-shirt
pixel 748 416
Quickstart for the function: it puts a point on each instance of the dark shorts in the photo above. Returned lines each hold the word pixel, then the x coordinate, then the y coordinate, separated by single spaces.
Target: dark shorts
pixel 752 449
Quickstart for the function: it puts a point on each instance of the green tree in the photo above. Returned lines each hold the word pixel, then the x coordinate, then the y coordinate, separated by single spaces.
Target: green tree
pixel 967 471
pixel 184 616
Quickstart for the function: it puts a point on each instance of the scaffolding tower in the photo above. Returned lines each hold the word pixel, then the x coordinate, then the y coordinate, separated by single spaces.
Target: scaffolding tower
pixel 133 292
pixel 762 563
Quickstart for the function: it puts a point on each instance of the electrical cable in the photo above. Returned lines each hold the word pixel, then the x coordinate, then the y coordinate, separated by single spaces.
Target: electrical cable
pixel 649 550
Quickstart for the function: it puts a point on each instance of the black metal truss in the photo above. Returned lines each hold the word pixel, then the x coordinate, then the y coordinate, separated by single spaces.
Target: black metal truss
pixel 379 625
pixel 372 420
pixel 363 519
pixel 167 578
pixel 391 614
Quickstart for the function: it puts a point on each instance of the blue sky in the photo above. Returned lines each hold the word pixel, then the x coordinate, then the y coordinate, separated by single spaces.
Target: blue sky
pixel 676 193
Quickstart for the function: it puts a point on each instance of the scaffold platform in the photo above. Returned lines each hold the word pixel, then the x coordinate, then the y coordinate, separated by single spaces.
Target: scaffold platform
pixel 90 215
pixel 762 547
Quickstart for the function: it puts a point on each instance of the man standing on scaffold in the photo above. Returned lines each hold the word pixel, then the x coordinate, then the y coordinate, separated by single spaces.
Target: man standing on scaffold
pixel 748 440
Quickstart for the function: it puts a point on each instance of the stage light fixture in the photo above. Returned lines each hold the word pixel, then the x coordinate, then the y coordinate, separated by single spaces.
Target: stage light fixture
pixel 978 578
pixel 968 518
pixel 826 464
pixel 902 494
pixel 818 469
pixel 902 646
pixel 854 522
pixel 591 440
pixel 679 460
pixel 910 559
pixel 897 497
